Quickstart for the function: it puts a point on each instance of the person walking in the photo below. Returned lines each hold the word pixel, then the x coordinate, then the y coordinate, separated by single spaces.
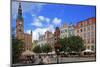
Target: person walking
pixel 40 60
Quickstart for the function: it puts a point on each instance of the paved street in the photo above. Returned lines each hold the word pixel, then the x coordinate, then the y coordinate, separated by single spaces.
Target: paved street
pixel 69 59
pixel 72 59
pixel 63 60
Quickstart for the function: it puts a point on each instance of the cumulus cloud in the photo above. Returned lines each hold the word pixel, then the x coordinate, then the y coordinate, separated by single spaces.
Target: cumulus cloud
pixel 40 31
pixel 51 28
pixel 47 20
pixel 41 18
pixel 57 21
pixel 28 31
pixel 38 21
pixel 44 19
pixel 37 32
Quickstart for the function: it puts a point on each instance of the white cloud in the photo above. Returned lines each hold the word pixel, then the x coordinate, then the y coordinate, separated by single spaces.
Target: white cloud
pixel 47 20
pixel 57 21
pixel 28 31
pixel 41 31
pixel 38 21
pixel 41 18
pixel 51 28
pixel 38 31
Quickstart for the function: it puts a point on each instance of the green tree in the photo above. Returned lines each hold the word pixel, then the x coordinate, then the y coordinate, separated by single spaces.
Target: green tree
pixel 64 45
pixel 17 48
pixel 37 49
pixel 75 43
pixel 46 48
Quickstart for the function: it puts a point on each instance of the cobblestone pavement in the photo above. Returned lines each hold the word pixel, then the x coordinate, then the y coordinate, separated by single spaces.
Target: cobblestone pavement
pixel 73 59
pixel 64 60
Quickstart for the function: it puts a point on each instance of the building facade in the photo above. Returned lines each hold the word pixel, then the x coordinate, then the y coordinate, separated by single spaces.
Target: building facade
pixel 71 30
pixel 26 38
pixel 67 30
pixel 41 40
pixel 47 38
pixel 64 32
pixel 87 30
pixel 50 38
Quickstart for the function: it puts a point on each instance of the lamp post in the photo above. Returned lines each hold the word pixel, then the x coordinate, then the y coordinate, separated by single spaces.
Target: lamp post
pixel 57 42
pixel 57 57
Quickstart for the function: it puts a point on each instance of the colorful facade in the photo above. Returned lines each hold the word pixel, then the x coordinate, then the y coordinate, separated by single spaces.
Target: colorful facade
pixel 87 30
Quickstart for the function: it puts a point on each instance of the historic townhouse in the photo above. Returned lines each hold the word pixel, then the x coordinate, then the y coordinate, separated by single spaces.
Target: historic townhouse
pixel 47 38
pixel 67 30
pixel 87 30
pixel 64 32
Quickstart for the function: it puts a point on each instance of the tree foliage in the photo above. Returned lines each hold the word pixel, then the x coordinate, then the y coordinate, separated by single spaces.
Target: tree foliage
pixel 75 43
pixel 37 49
pixel 46 48
pixel 63 43
pixel 72 43
pixel 17 48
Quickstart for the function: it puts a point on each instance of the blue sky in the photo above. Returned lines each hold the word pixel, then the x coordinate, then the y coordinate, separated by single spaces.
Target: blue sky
pixel 40 17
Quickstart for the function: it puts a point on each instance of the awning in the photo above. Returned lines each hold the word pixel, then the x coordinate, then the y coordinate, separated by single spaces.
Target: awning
pixel 87 50
pixel 53 52
pixel 28 52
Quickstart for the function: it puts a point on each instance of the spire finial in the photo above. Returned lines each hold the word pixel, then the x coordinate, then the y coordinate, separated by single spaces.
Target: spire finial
pixel 31 32
pixel 19 12
pixel 19 5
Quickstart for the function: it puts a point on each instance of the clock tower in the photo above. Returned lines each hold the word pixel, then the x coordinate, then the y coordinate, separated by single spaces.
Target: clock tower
pixel 19 24
pixel 25 37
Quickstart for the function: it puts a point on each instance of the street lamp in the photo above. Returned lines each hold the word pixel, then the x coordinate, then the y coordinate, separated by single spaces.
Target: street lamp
pixel 57 47
pixel 57 57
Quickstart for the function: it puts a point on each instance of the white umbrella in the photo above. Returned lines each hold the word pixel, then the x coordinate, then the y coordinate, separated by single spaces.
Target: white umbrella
pixel 62 52
pixel 87 50
pixel 43 53
pixel 50 53
pixel 28 52
pixel 53 52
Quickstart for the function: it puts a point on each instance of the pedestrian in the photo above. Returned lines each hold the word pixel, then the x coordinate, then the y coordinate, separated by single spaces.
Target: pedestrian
pixel 33 59
pixel 45 60
pixel 40 60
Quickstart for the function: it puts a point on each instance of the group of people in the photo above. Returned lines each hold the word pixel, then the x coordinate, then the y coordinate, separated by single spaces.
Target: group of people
pixel 37 59
pixel 43 59
pixel 29 59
